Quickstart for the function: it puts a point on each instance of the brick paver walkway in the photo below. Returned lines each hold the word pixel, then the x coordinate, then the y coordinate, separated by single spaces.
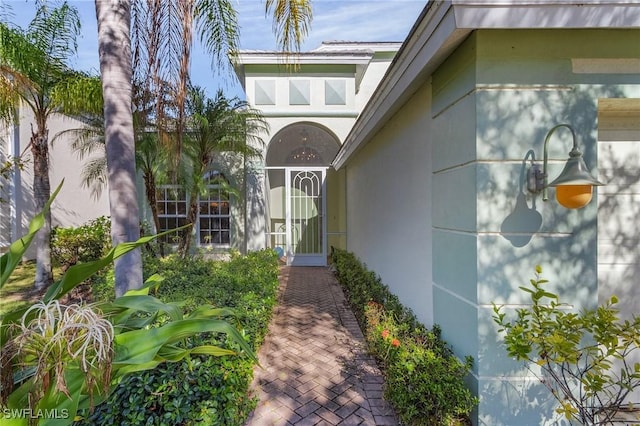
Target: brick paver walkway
pixel 315 369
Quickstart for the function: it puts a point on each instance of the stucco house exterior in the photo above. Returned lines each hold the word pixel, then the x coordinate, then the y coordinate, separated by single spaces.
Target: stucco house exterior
pixel 295 201
pixel 416 156
pixel 433 174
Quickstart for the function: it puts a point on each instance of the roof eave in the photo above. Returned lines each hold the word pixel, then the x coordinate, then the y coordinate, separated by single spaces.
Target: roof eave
pixel 442 26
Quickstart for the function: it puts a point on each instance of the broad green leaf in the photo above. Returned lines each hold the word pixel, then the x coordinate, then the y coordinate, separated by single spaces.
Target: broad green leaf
pixel 153 282
pixel 148 304
pixel 142 346
pixel 208 311
pixel 173 353
pixel 125 369
pixel 74 379
pixel 211 350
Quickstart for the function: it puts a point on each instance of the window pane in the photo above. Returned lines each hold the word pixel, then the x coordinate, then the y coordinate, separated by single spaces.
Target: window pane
pixel 335 92
pixel 225 237
pixel 265 92
pixel 205 238
pixel 299 92
pixel 224 208
pixel 204 208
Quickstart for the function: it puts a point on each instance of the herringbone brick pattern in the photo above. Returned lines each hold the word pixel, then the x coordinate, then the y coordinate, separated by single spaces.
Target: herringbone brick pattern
pixel 315 369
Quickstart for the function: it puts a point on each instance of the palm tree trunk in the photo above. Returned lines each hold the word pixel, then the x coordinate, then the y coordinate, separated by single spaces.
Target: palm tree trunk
pixel 114 46
pixel 151 192
pixel 41 193
pixel 187 233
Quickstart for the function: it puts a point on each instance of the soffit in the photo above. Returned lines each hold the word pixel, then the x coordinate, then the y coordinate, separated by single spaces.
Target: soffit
pixel 443 25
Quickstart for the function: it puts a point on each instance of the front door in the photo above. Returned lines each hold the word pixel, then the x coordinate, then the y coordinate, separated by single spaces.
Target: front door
pixel 305 216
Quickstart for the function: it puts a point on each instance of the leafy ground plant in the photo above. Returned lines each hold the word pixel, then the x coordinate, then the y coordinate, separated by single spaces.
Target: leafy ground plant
pixel 202 390
pixel 582 358
pixel 55 358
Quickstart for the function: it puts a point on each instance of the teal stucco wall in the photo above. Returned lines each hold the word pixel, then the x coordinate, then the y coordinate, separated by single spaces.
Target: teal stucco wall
pixel 494 99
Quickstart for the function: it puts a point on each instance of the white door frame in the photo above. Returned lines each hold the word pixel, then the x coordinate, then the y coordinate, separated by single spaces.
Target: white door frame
pixel 312 259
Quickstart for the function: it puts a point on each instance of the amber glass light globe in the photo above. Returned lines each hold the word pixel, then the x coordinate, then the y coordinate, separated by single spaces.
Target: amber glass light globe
pixel 573 196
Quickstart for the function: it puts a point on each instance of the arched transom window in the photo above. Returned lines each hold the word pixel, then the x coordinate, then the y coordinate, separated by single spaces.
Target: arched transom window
pixel 302 144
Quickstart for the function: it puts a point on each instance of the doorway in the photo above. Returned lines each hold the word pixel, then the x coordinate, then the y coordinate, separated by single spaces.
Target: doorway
pixel 297 162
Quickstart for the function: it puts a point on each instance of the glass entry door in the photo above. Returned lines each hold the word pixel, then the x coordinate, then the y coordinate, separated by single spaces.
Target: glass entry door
pixel 305 216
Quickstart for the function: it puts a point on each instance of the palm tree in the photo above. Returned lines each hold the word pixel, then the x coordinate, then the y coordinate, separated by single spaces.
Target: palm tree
pixel 33 73
pixel 217 25
pixel 114 46
pixel 215 127
pixel 151 160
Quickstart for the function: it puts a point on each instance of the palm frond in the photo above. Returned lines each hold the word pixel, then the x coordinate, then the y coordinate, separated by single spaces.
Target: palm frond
pixel 34 61
pixel 219 31
pixel 85 140
pixel 55 31
pixel 78 94
pixel 19 64
pixel 9 99
pixel 94 175
pixel 291 22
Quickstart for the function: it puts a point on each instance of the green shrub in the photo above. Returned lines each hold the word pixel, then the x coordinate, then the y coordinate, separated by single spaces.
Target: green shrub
pixel 424 379
pixel 85 243
pixel 66 358
pixel 584 359
pixel 201 390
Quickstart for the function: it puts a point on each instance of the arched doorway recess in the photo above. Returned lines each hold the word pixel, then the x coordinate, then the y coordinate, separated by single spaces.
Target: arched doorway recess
pixel 297 161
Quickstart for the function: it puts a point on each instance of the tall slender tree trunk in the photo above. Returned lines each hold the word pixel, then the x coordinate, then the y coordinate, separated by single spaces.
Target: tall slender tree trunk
pixel 151 191
pixel 41 193
pixel 114 46
pixel 187 233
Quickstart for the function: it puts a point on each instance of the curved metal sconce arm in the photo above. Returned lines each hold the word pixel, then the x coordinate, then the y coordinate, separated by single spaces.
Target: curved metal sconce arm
pixel 574 152
pixel 575 171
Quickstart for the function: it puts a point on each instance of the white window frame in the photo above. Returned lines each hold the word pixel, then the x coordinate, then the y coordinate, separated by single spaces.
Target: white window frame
pixel 223 214
pixel 219 215
pixel 171 213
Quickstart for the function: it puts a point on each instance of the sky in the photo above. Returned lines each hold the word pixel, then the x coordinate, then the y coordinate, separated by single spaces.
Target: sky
pixel 346 20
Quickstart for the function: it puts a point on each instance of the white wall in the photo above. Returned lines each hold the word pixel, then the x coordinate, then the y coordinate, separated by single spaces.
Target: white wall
pixel 389 187
pixel 619 202
pixel 74 204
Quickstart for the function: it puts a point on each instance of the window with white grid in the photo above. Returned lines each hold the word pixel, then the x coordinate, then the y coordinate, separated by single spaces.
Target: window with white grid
pixel 172 211
pixel 214 213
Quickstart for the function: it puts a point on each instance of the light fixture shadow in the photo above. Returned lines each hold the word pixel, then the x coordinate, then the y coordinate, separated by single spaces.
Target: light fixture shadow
pixel 523 221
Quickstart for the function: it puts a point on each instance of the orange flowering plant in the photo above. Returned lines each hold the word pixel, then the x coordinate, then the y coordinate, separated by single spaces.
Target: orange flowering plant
pixel 412 356
pixel 382 331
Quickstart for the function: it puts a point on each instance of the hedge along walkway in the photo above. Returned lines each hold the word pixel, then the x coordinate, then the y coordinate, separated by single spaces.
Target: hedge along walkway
pixel 315 368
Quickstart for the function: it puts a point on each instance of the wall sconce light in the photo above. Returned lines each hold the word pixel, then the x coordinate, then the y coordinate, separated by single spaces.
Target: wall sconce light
pixel 574 186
